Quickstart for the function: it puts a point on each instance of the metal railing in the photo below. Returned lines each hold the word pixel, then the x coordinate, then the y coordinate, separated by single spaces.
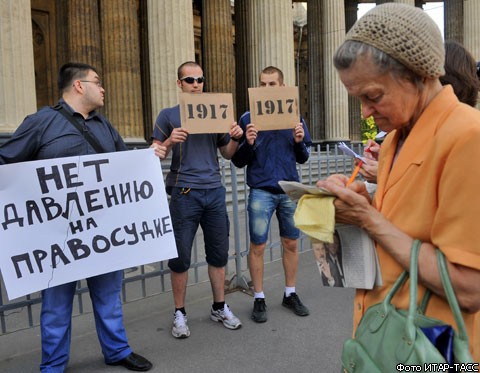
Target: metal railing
pixel 149 280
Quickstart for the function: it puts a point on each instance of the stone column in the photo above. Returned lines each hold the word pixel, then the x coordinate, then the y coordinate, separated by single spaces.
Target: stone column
pixel 471 17
pixel 241 56
pixel 121 75
pixel 354 109
pixel 351 10
pixel 271 39
pixel 17 80
pixel 170 42
pixel 453 20
pixel 336 98
pixel 217 41
pixel 84 39
pixel 316 104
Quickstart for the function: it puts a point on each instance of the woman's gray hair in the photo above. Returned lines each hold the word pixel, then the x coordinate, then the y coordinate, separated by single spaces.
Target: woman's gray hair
pixel 349 52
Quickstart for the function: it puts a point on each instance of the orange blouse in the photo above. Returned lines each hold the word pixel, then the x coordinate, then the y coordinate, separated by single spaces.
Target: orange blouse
pixel 432 192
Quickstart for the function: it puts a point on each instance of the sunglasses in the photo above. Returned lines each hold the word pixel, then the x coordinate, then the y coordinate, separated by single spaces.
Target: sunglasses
pixel 192 79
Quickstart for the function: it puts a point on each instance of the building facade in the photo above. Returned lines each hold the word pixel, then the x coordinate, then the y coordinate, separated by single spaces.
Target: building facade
pixel 137 46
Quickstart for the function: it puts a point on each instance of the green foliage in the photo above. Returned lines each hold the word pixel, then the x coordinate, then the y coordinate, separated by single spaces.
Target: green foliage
pixel 369 129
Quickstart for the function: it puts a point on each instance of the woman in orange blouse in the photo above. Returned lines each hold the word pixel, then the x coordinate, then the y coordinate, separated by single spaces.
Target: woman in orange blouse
pixel 428 180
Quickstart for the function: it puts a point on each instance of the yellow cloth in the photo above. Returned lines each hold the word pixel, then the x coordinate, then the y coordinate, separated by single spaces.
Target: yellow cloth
pixel 315 216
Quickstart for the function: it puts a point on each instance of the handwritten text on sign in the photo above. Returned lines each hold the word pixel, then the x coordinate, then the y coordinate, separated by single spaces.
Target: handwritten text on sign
pixel 206 112
pixel 274 108
pixel 71 218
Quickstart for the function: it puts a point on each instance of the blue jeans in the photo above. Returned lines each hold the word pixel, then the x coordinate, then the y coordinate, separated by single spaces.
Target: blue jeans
pixel 56 321
pixel 261 205
pixel 190 208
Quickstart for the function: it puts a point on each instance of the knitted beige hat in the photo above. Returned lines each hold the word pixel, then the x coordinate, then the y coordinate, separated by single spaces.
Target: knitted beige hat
pixel 405 33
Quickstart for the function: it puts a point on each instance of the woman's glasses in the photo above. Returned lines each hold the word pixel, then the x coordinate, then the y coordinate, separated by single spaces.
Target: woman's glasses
pixel 192 79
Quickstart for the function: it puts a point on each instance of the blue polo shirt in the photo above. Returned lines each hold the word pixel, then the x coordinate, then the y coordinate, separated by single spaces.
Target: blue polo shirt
pixel 195 161
pixel 273 156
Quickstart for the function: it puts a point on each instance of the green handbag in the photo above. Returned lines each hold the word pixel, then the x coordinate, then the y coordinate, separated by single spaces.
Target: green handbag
pixel 390 340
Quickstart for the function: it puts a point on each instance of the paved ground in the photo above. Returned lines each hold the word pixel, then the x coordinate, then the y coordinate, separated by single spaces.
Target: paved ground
pixel 286 343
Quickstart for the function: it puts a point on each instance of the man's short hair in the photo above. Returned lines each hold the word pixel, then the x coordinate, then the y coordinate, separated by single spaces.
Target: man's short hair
pixel 188 63
pixel 272 70
pixel 72 71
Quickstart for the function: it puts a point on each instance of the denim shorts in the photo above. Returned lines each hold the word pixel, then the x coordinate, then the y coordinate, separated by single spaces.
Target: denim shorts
pixel 261 205
pixel 190 208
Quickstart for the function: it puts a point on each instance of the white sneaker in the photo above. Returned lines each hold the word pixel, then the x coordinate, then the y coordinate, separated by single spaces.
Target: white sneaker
pixel 226 317
pixel 180 327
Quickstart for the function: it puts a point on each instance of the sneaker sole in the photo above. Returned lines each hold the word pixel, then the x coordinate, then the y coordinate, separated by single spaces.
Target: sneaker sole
pixel 180 335
pixel 293 310
pixel 259 320
pixel 231 327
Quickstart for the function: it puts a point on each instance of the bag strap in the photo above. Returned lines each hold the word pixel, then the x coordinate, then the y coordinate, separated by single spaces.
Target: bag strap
pixel 412 305
pixel 84 131
pixel 423 304
pixel 450 293
pixel 404 276
pixel 395 287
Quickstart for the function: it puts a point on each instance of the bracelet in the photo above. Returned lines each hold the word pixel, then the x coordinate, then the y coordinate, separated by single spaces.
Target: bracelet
pixel 234 139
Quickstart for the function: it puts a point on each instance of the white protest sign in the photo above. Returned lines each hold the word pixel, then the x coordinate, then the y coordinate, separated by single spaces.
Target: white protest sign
pixel 66 219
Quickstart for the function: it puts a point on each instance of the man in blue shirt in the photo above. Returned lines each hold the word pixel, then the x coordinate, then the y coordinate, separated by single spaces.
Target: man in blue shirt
pixel 271 156
pixel 49 134
pixel 197 198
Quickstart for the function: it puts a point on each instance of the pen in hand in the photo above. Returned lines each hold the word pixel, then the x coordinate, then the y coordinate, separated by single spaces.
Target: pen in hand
pixel 355 173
